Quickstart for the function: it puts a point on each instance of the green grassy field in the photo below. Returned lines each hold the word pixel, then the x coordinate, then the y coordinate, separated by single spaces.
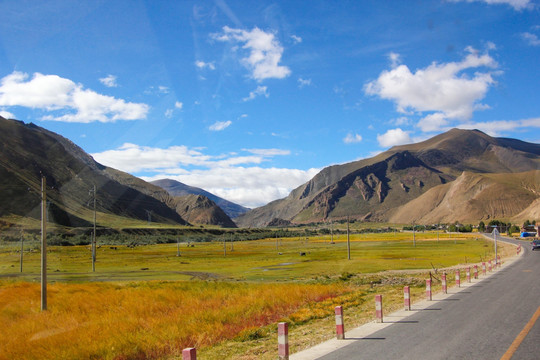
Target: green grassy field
pixel 262 260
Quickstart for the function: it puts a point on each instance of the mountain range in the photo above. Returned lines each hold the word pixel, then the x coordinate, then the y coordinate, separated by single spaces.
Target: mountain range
pixel 460 175
pixel 29 152
pixel 176 188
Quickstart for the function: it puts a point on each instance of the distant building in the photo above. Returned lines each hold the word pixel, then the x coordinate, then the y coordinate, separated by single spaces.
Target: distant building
pixel 530 230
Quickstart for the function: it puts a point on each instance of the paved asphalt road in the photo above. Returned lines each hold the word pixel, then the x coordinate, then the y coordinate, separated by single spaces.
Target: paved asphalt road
pixel 480 322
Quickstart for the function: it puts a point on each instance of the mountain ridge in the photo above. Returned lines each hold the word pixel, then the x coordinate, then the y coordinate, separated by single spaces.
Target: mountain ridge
pixel 373 188
pixel 176 188
pixel 29 152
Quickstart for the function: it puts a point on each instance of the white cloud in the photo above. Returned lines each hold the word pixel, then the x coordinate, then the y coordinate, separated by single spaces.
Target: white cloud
pixel 350 138
pixel 264 52
pixel 259 91
pixel 304 82
pixel 516 4
pixel 395 59
pixel 268 152
pixel 499 128
pixel 68 101
pixel 6 114
pixel 433 122
pixel 296 39
pixel 135 158
pixel 444 88
pixel 109 81
pixel 163 89
pixel 169 113
pixel 249 186
pixel 394 137
pixel 532 39
pixel 205 65
pixel 178 105
pixel 402 120
pixel 220 125
pixel 238 178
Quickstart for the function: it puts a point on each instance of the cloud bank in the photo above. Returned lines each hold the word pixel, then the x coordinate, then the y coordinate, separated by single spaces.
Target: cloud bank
pixel 238 178
pixel 68 101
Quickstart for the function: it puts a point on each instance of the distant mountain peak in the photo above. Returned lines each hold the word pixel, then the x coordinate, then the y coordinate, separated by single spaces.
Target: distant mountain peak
pixel 378 187
pixel 176 188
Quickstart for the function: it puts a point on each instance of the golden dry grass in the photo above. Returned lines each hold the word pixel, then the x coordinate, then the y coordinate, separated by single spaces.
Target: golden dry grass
pixel 147 320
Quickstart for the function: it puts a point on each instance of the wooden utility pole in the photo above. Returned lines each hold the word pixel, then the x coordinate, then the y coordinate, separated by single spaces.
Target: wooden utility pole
pixel 348 241
pixel 22 249
pixel 331 232
pixel 43 244
pixel 177 246
pixel 94 235
pixel 414 235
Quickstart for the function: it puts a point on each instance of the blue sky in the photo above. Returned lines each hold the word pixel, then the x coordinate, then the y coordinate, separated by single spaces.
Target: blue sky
pixel 248 100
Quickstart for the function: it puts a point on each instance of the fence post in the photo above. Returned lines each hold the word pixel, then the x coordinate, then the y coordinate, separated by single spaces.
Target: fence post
pixel 340 328
pixel 428 289
pixel 189 354
pixel 378 308
pixel 283 341
pixel 458 280
pixel 407 298
pixel 444 287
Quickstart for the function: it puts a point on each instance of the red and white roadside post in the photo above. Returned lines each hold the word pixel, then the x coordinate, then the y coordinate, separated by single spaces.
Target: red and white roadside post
pixel 458 280
pixel 407 298
pixel 476 271
pixel 490 268
pixel 484 268
pixel 283 341
pixel 189 354
pixel 340 328
pixel 428 289
pixel 378 308
pixel 443 281
pixel 469 274
pixel 499 261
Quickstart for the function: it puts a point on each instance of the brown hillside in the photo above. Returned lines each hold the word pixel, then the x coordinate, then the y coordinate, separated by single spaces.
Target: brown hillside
pixel 473 197
pixel 376 188
pixel 198 209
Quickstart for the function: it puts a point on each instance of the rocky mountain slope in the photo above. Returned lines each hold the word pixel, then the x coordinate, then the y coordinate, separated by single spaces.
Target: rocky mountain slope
pixel 198 209
pixel 394 185
pixel 176 188
pixel 28 151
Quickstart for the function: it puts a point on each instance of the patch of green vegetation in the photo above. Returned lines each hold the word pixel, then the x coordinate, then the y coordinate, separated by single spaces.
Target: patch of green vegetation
pixel 288 259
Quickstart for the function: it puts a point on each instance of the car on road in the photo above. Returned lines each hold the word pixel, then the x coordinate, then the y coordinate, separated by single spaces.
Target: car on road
pixel 535 245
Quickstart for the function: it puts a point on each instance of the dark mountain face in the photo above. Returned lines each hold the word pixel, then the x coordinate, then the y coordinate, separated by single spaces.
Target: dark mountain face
pixel 376 188
pixel 176 188
pixel 27 152
pixel 198 209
